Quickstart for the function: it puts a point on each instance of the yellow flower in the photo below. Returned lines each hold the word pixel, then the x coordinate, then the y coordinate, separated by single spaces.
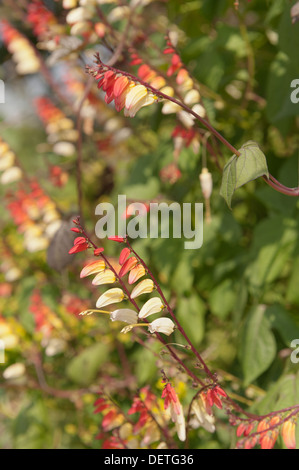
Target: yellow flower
pixel 93 268
pixel 138 97
pixel 105 277
pixel 112 296
pixel 144 287
pixel 150 307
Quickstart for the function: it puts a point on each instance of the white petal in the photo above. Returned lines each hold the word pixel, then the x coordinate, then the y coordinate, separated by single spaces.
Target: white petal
pixel 112 296
pixel 153 305
pixel 6 160
pixel 124 314
pixel 14 371
pixel 11 175
pixel 105 277
pixel 161 325
pixel 192 97
pixel 144 287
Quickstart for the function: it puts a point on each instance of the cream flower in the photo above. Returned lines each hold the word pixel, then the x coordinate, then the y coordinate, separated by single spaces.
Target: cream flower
pixel 153 305
pixel 14 371
pixel 124 314
pixel 112 296
pixel 138 97
pixel 11 175
pixel 105 277
pixel 161 325
pixel 93 268
pixel 201 416
pixel 144 287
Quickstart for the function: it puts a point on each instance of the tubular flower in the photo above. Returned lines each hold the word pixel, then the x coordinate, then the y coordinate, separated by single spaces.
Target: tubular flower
pixel 125 314
pixel 213 396
pixel 125 253
pixel 150 307
pixel 125 91
pixel 127 266
pixel 105 277
pixel 268 438
pixel 136 273
pixel 144 287
pixel 80 244
pixel 176 411
pixel 112 296
pixel 250 442
pixel 92 268
pixel 202 415
pixel 245 428
pixel 161 325
pixel 288 434
pixel 137 98
pixel 206 183
pixel 116 238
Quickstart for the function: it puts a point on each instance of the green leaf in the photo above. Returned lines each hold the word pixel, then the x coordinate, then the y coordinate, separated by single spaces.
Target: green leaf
pixel 228 184
pixel 280 108
pixel 258 346
pixel 191 313
pixel 83 368
pixel 269 257
pixel 281 321
pixel 222 299
pixel 281 394
pixel 292 290
pixel 250 165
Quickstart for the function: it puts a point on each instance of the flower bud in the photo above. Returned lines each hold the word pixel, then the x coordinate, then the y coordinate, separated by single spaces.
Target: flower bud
pixel 206 183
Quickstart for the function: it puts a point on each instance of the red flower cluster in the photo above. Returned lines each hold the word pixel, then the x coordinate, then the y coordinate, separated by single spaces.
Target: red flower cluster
pixel 142 406
pixel 47 111
pixel 171 398
pixel 170 173
pixel 41 312
pixel 267 432
pixel 213 396
pixel 187 135
pixel 58 177
pixel 39 18
pixel 25 206
pixel 176 63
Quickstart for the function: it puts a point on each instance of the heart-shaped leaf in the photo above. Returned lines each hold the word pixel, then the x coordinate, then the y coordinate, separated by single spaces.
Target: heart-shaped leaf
pixel 248 166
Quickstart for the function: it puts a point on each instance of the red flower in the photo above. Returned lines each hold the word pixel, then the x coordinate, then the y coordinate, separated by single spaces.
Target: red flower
pixel 98 251
pixel 124 255
pixel 176 64
pixel 128 265
pixel 80 244
pixel 171 398
pixel 213 396
pixel 116 238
